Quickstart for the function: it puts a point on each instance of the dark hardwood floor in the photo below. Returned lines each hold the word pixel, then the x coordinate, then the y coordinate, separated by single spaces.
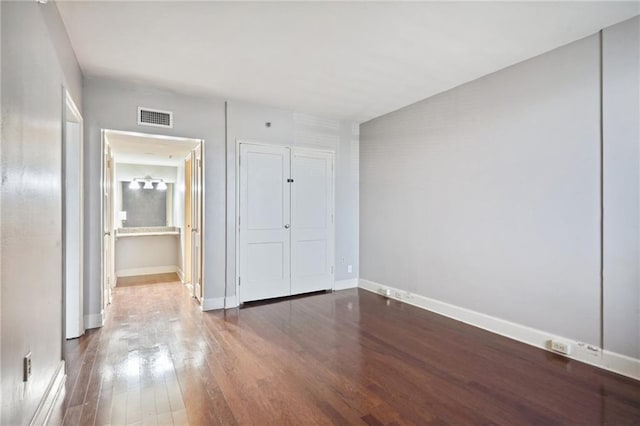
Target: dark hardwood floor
pixel 350 357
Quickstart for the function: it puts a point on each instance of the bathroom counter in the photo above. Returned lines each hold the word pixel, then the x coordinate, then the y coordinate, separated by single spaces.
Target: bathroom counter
pixel 146 231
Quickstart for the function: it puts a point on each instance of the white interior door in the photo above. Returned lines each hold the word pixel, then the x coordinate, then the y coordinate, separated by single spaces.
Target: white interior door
pixel 312 230
pixel 264 222
pixel 196 229
pixel 74 326
pixel 107 215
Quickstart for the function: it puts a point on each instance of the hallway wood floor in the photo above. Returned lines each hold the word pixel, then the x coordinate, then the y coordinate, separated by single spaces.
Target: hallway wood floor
pixel 349 357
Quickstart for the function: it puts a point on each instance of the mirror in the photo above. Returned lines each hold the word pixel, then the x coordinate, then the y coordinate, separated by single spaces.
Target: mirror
pixel 145 207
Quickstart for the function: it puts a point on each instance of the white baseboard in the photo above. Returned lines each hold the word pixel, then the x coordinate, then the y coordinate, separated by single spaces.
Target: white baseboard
pixel 150 270
pixel 48 401
pixel 345 284
pixel 213 303
pixel 231 302
pixel 180 274
pixel 587 353
pixel 94 320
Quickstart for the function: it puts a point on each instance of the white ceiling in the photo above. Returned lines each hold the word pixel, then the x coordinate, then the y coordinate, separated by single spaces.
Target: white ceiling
pixel 135 148
pixel 340 60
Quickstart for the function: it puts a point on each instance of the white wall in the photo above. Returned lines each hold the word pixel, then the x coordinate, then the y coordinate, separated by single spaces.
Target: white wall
pixel 37 61
pixel 146 255
pixel 113 105
pixel 621 89
pixel 246 122
pixel 487 196
pixel 126 172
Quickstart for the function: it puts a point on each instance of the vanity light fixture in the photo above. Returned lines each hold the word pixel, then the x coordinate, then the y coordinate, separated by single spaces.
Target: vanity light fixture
pixel 148 183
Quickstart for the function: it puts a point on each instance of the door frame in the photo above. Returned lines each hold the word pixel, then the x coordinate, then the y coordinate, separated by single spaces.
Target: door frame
pixel 237 204
pixel 71 113
pixel 103 132
pixel 103 289
pixel 198 162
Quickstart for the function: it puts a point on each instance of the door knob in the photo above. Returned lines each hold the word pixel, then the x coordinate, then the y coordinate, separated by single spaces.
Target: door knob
pixel 286 226
pixel 107 234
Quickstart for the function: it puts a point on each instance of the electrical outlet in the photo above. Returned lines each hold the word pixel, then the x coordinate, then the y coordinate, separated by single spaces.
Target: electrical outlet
pixel 586 349
pixel 559 346
pixel 26 367
pixel 349 268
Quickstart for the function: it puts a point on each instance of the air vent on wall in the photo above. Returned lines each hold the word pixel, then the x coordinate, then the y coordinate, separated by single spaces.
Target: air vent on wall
pixel 154 117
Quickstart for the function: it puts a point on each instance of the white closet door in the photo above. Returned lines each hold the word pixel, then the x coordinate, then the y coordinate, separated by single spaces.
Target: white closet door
pixel 311 221
pixel 265 245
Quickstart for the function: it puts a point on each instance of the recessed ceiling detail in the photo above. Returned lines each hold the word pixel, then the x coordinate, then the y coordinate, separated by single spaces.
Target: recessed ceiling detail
pixel 138 148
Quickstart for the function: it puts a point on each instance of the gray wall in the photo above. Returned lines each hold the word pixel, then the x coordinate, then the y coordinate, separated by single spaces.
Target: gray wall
pixel 113 105
pixel 488 196
pixel 37 61
pixel 621 88
pixel 246 122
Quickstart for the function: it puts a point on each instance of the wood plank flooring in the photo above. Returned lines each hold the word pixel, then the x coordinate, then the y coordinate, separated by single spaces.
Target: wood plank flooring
pixel 349 357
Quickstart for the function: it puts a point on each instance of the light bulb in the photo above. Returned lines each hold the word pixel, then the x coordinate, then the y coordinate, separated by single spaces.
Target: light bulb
pixel 134 185
pixel 161 186
pixel 147 185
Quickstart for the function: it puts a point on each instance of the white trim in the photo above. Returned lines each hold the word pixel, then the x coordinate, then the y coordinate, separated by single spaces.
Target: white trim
pixel 94 320
pixel 587 353
pixel 345 284
pixel 48 401
pixel 213 303
pixel 180 273
pixel 149 270
pixel 620 364
pixel 231 302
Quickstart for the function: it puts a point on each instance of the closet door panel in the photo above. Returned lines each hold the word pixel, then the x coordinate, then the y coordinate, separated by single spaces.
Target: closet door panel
pixel 265 242
pixel 312 231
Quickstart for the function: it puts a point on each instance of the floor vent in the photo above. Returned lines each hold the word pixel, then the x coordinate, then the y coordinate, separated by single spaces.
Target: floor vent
pixel 154 117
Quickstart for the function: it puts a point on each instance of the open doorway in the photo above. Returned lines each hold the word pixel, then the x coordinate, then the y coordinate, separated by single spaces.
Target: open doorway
pixel 152 209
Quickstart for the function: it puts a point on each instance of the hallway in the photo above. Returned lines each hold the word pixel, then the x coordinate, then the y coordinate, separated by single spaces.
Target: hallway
pixel 349 357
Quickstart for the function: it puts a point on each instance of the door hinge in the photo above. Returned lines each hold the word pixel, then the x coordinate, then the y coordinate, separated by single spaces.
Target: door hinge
pixel 290 180
pixel 239 279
